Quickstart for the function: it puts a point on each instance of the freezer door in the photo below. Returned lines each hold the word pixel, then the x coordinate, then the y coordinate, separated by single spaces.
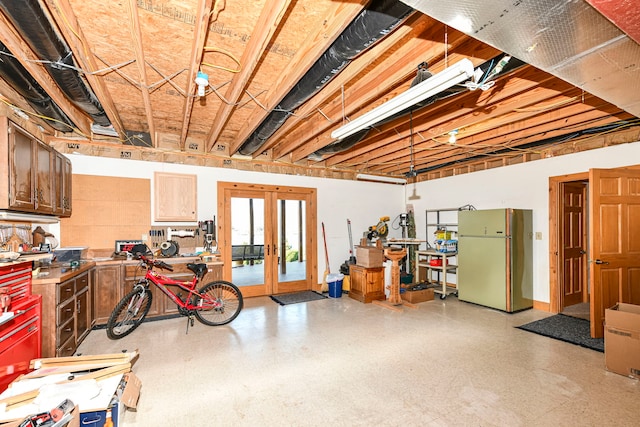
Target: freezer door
pixel 489 223
pixel 482 266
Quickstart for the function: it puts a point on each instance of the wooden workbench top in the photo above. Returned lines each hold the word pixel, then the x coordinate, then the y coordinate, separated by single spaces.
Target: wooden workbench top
pixel 59 274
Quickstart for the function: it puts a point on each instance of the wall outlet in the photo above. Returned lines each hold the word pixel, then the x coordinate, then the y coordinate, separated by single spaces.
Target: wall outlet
pixel 144 237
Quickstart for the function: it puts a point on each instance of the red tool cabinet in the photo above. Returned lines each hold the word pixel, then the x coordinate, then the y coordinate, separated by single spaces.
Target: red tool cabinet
pixel 20 333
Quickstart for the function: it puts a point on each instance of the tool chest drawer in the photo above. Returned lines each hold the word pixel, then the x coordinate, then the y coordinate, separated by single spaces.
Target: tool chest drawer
pixel 25 313
pixel 15 281
pixel 20 339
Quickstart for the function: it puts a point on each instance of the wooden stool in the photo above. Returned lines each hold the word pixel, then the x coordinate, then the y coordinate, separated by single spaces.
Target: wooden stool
pixel 395 302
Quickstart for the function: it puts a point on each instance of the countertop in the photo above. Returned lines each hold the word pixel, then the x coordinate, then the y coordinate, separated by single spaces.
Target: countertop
pixel 61 273
pixel 172 260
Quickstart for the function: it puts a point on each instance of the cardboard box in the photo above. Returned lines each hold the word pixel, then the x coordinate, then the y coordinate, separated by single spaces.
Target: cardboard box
pixel 125 397
pixel 622 339
pixel 415 297
pixel 369 256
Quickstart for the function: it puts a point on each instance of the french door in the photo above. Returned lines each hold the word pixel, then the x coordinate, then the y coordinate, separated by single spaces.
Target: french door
pixel 267 236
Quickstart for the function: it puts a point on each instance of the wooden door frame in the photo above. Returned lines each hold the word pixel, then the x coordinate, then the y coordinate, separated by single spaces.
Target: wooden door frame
pixel 555 290
pixel 224 238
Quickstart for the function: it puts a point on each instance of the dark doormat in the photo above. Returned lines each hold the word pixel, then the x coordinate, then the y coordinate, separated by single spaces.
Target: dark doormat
pixel 296 297
pixel 566 328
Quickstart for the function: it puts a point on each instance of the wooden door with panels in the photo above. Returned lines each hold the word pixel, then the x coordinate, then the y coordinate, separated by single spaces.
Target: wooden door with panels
pixel 267 236
pixel 573 243
pixel 614 256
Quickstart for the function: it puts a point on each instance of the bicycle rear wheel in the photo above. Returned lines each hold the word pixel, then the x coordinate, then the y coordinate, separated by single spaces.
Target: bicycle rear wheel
pixel 221 304
pixel 129 313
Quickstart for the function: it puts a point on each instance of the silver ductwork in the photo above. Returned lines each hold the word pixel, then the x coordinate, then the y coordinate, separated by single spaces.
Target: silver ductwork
pixel 566 38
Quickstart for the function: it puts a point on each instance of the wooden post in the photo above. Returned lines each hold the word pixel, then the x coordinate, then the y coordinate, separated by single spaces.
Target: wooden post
pixel 395 302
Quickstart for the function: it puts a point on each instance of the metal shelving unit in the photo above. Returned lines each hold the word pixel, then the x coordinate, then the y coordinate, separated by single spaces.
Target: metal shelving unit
pixel 439 219
pixel 425 258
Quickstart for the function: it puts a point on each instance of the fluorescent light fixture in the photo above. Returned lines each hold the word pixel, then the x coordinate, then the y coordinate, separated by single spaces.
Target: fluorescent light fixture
pixel 451 76
pixel 378 178
pixel 17 216
pixel 103 130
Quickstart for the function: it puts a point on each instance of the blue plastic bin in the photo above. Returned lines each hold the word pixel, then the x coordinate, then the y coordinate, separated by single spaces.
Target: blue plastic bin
pixel 335 285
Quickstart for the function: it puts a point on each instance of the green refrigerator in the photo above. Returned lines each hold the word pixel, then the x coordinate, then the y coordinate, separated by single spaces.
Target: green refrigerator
pixel 495 258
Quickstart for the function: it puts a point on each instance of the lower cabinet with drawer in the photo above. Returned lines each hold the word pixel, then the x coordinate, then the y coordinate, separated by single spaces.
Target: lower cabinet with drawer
pixel 66 314
pixel 367 283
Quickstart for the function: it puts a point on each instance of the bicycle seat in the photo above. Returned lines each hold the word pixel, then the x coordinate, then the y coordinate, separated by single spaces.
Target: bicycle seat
pixel 198 269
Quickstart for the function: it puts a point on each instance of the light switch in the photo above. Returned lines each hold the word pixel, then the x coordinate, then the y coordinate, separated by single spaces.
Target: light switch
pixel 538 235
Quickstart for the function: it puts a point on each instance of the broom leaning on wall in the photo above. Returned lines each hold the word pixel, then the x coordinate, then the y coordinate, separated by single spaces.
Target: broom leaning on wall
pixel 327 270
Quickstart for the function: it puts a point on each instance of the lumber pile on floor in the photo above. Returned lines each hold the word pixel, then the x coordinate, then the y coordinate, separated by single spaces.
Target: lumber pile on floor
pixel 90 383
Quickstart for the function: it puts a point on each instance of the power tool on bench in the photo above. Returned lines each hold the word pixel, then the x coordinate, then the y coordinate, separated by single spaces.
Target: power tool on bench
pixel 379 231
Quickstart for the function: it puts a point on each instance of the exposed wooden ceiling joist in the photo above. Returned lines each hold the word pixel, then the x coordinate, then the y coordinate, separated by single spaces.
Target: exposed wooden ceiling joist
pixel 256 52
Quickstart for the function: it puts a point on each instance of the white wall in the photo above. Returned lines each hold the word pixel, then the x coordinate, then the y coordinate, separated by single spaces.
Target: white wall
pixel 524 186
pixel 361 202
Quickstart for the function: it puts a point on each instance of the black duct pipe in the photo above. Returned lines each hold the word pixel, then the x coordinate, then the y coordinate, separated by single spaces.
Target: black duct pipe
pixel 339 146
pixel 547 141
pixel 30 20
pixel 346 143
pixel 371 25
pixel 23 83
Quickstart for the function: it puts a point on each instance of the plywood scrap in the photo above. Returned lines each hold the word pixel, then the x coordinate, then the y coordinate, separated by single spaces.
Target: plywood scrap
pixel 75 361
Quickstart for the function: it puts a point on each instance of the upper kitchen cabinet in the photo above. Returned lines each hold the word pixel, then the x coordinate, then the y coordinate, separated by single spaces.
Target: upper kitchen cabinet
pixel 62 185
pixel 175 197
pixel 39 178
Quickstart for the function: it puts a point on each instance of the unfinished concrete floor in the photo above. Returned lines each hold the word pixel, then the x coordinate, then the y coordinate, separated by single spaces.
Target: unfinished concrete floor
pixel 338 362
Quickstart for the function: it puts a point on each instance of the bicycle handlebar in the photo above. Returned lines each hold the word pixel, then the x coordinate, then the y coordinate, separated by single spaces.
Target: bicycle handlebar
pixel 154 263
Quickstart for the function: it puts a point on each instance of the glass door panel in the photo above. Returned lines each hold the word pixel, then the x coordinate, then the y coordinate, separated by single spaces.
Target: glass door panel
pixel 247 241
pixel 291 244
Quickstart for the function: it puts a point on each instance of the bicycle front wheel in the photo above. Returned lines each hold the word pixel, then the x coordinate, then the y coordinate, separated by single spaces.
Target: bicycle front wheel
pixel 221 303
pixel 129 313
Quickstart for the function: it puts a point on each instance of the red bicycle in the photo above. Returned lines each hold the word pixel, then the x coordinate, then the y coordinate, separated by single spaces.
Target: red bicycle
pixel 216 303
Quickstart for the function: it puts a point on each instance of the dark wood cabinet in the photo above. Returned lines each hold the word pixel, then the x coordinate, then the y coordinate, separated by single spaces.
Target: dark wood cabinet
pixel 83 307
pixel 43 172
pixel 107 290
pixel 22 187
pixel 62 185
pixel 66 313
pixel 39 178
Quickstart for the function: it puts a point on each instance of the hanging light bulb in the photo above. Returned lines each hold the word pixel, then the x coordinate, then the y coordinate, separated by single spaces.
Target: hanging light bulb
pixel 202 80
pixel 452 136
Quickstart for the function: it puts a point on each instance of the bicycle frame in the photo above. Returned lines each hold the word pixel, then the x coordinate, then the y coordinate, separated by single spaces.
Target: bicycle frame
pixel 161 282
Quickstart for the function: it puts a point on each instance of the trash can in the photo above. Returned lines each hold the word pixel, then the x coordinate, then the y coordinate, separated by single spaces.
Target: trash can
pixel 335 285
